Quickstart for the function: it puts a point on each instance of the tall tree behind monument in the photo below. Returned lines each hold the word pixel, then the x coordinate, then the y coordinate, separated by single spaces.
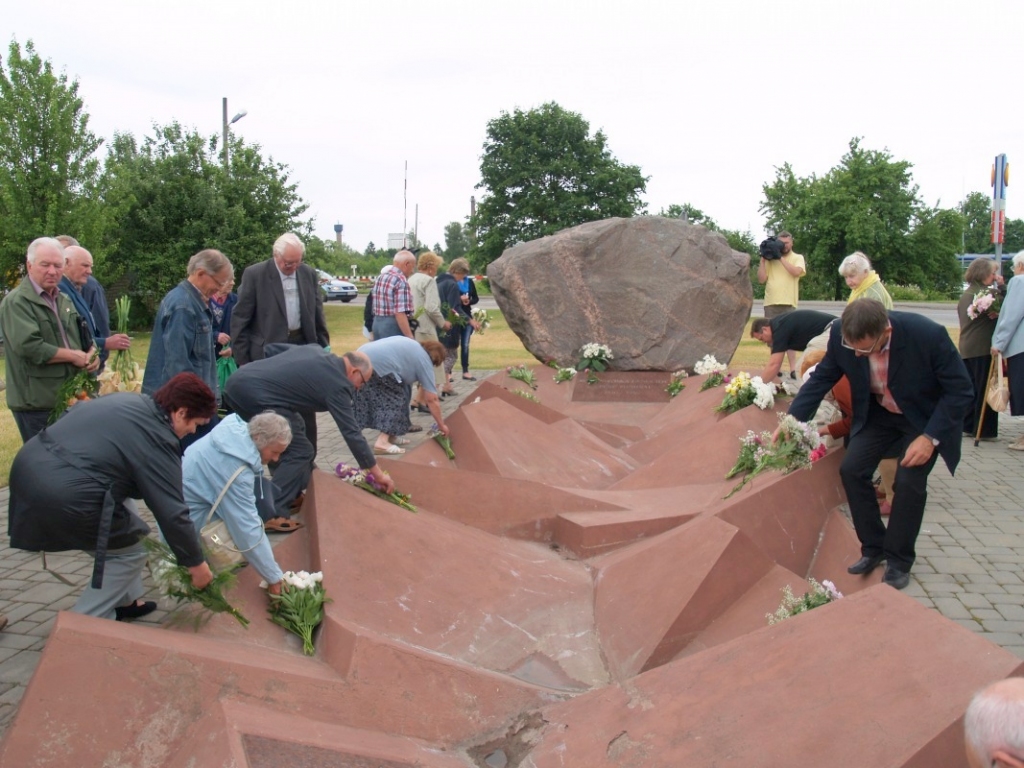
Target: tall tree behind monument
pixel 868 203
pixel 48 165
pixel 542 171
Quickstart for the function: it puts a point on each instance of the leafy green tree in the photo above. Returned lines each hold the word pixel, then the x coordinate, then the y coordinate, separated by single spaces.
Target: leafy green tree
pixel 976 210
pixel 170 198
pixel 542 171
pixel 691 214
pixel 866 203
pixel 48 165
pixel 456 241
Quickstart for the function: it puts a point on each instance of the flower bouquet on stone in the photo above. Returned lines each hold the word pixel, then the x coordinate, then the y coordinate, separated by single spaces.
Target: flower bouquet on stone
pixel 758 453
pixel 523 374
pixel 175 582
pixel 984 302
pixel 714 370
pixel 361 478
pixel 443 440
pixel 746 390
pixel 564 374
pixel 594 359
pixel 300 606
pixel 819 594
pixel 675 384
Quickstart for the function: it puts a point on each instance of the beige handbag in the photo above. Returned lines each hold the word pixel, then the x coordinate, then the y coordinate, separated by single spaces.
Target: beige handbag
pixel 221 552
pixel 998 394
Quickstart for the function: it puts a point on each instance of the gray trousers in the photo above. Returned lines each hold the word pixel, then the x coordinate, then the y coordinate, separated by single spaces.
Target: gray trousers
pixel 122 583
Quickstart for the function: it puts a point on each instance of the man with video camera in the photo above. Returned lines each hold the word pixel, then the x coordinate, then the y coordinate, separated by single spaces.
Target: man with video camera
pixel 780 269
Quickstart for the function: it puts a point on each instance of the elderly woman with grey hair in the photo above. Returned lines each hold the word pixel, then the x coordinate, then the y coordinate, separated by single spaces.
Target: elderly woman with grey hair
pixel 862 280
pixel 230 460
pixel 1008 340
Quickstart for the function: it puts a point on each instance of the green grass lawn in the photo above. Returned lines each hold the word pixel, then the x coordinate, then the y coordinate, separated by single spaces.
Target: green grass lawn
pixel 495 349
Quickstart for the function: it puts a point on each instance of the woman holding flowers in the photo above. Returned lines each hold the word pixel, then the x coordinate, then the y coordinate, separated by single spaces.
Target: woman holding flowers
pixel 975 346
pixel 451 301
pixel 1008 340
pixel 73 485
pixel 426 305
pixel 210 468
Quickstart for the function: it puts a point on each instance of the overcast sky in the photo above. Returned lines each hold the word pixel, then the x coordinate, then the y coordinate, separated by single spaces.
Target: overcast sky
pixel 706 96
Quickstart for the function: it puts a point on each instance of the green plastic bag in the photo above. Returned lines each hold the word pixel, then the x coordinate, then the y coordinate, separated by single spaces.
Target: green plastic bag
pixel 225 367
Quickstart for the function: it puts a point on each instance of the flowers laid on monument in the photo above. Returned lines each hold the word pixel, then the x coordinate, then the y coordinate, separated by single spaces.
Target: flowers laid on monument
pixel 563 374
pixel 523 374
pixel 526 395
pixel 745 390
pixel 594 359
pixel 441 439
pixel 480 315
pixel 675 384
pixel 989 300
pixel 791 450
pixel 361 478
pixel 175 581
pixel 714 370
pixel 300 606
pixel 819 595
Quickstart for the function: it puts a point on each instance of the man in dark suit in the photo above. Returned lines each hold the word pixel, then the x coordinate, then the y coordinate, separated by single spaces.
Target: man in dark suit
pixel 279 303
pixel 910 393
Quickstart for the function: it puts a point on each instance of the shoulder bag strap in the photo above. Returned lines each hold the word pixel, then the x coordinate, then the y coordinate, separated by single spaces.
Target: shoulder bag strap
pixel 222 492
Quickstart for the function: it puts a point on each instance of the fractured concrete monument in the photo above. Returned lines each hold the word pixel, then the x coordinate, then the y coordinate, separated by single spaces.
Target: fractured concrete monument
pixel 574 590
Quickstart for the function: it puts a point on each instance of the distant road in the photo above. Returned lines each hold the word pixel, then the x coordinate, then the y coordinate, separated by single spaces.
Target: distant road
pixel 942 313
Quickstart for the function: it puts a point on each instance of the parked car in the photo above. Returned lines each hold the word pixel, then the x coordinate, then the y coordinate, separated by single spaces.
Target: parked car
pixel 335 288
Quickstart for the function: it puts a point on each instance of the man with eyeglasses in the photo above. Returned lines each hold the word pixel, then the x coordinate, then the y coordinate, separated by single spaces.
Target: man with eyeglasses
pixel 279 302
pixel 994 726
pixel 798 331
pixel 910 393
pixel 294 381
pixel 182 340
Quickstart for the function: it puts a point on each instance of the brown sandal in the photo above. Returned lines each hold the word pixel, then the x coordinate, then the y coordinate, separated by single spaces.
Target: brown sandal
pixel 281 525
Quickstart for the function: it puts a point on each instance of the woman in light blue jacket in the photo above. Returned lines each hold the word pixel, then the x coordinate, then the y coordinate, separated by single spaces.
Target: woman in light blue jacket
pixel 1008 340
pixel 210 463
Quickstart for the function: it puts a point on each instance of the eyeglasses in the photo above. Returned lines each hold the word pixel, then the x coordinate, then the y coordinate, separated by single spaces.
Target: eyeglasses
pixel 362 379
pixel 863 351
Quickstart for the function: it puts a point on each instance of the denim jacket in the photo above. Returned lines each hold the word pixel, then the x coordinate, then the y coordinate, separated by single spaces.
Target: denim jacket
pixel 182 340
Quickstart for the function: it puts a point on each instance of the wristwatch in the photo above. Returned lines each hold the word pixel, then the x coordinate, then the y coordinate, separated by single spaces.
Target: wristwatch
pixel 935 443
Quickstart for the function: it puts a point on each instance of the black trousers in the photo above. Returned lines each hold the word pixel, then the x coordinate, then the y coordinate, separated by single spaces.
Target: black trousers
pixel 30 423
pixel 885 434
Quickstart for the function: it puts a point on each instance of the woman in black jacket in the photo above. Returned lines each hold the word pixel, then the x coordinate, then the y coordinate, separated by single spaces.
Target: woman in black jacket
pixel 451 300
pixel 72 487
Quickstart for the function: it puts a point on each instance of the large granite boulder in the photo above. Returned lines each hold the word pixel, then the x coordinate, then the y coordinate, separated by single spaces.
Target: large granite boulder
pixel 661 292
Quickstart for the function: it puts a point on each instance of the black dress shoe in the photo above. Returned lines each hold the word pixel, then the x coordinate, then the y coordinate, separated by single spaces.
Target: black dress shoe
pixel 134 611
pixel 866 564
pixel 895 578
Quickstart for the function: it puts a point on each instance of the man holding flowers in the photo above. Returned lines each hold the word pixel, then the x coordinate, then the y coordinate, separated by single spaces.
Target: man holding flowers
pixel 910 392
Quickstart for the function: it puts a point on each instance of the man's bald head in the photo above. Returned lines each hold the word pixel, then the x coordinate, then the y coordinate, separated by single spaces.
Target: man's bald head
pixel 405 261
pixel 994 725
pixel 77 264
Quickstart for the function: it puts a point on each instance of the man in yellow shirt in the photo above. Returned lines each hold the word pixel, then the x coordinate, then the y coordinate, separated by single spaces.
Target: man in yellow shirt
pixel 782 285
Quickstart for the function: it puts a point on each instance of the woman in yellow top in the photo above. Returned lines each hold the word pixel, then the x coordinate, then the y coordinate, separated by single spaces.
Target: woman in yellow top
pixel 863 280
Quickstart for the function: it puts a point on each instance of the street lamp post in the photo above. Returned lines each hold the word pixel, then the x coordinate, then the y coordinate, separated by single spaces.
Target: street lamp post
pixel 233 120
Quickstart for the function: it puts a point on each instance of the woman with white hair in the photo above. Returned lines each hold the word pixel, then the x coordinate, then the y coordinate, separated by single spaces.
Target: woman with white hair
pixel 1008 340
pixel 862 280
pixel 211 466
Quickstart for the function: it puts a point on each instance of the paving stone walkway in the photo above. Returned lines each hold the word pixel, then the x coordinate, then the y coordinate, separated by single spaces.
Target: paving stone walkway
pixel 968 567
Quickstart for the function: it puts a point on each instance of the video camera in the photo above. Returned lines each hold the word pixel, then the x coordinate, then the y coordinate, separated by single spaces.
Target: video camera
pixel 771 249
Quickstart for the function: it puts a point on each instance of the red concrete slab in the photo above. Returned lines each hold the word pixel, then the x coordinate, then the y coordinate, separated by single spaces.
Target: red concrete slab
pixel 838 549
pixel 561 453
pixel 430 582
pixel 874 679
pixel 518 508
pixel 653 598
